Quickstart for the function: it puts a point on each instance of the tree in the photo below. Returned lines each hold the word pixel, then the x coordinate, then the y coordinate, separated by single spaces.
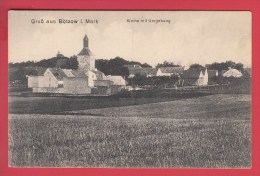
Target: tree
pixel 240 67
pixel 145 65
pixel 71 63
pixel 116 66
pixel 124 72
pixel 225 66
pixel 153 82
pixel 196 66
pixel 167 64
pixel 230 64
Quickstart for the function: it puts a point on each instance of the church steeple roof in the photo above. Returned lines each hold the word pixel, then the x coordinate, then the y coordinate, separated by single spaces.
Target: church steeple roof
pixel 85 51
pixel 85 41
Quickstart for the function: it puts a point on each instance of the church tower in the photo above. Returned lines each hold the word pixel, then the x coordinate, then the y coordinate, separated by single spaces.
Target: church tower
pixel 85 58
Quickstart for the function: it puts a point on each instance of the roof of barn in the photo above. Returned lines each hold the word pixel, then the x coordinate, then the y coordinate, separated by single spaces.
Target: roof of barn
pixel 66 73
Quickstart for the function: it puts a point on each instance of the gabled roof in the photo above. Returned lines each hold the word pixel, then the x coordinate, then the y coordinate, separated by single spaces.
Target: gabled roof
pixel 99 74
pixel 68 72
pixel 232 72
pixel 85 52
pixel 117 80
pixel 172 70
pixel 142 71
pixel 78 73
pixel 60 74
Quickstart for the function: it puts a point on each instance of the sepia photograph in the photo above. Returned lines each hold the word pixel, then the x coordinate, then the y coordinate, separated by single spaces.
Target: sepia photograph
pixel 129 89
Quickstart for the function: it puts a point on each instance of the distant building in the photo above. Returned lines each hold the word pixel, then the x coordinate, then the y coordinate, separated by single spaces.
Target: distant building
pixel 231 72
pixel 198 77
pixel 169 71
pixel 116 80
pixel 56 80
pixel 85 80
pixel 148 72
pixel 85 58
pixel 94 75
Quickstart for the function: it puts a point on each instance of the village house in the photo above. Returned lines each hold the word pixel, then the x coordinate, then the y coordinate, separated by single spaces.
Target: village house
pixel 147 72
pixel 116 80
pixel 56 80
pixel 170 71
pixel 197 77
pixel 85 80
pixel 231 72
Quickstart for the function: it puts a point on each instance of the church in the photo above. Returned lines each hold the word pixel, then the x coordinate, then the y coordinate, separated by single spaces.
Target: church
pixel 86 80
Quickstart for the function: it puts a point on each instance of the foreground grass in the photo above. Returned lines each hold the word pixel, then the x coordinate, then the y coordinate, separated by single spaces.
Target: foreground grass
pixel 57 105
pixel 197 135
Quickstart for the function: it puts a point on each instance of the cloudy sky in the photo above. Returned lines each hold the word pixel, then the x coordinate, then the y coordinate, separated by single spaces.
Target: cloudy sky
pixel 182 37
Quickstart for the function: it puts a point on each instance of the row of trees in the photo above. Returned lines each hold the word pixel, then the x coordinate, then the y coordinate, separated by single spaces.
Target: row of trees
pixel 153 82
pixel 18 71
pixel 114 66
pixel 58 61
pixel 214 66
pixel 167 64
pixel 220 66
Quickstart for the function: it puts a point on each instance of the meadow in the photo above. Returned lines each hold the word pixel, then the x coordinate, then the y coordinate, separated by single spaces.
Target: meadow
pixel 205 132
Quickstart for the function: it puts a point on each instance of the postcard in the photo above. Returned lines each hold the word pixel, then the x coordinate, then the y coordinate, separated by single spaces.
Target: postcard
pixel 129 89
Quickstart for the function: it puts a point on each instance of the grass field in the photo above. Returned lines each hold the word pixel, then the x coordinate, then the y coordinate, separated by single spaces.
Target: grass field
pixel 57 105
pixel 211 131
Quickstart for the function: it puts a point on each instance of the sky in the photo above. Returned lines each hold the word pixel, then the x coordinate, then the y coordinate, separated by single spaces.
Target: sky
pixel 181 37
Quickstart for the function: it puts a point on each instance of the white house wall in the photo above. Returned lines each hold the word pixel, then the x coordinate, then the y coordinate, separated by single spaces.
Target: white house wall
pixel 76 86
pixel 48 80
pixel 206 77
pixel 91 77
pixel 33 81
pixel 203 79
